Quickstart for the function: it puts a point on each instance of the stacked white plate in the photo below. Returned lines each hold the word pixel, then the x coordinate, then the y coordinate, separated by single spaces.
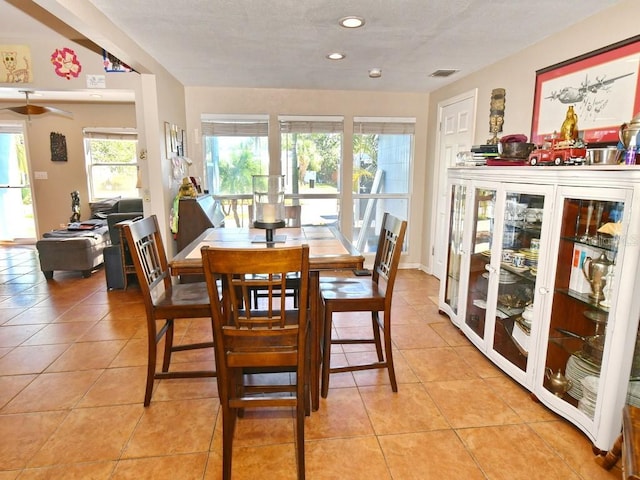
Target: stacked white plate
pixel 577 369
pixel 507 277
pixel 530 257
pixel 587 403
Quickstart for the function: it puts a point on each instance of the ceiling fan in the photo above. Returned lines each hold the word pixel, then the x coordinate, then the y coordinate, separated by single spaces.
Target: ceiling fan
pixel 29 109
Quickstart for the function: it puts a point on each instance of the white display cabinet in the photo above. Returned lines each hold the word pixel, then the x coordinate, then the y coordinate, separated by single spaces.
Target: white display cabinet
pixel 542 276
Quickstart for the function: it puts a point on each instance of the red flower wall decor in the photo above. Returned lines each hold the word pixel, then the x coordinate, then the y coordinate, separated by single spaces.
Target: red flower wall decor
pixel 66 63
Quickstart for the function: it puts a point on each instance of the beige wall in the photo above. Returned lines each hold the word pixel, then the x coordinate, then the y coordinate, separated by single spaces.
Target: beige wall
pixel 51 197
pixel 348 104
pixel 517 75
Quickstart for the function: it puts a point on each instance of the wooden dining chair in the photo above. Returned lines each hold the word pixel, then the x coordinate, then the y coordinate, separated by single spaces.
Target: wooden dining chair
pixel 164 301
pixel 365 294
pixel 250 341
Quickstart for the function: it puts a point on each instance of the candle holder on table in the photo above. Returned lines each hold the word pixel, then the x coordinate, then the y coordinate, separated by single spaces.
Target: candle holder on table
pixel 268 207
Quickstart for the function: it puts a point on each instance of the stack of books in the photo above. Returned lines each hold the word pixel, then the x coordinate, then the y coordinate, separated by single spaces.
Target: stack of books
pixel 483 152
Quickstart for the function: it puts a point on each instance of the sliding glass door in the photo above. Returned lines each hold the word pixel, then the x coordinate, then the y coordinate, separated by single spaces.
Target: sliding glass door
pixel 17 222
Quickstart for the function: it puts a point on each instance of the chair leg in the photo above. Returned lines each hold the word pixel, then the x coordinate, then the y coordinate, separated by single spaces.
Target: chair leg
pixel 389 354
pixel 299 440
pixel 168 346
pixel 151 360
pixel 228 427
pixel 375 323
pixel 326 351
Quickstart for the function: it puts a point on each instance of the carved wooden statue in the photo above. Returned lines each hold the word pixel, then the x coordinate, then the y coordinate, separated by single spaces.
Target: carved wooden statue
pixel 75 207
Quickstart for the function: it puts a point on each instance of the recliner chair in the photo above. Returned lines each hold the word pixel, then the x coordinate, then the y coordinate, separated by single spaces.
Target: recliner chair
pixel 117 260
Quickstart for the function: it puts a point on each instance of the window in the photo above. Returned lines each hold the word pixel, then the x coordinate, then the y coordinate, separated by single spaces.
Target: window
pixel 235 149
pixel 112 162
pixel 382 157
pixel 310 161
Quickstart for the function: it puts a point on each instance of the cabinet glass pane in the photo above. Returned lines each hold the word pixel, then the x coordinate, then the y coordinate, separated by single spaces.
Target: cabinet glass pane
pixel 633 393
pixel 454 257
pixel 518 269
pixel 480 254
pixel 582 290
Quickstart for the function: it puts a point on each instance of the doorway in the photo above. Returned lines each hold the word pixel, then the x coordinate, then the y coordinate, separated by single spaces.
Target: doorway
pixel 17 222
pixel 457 118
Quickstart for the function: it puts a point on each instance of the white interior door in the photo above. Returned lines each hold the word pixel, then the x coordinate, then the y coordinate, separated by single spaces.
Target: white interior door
pixel 456 119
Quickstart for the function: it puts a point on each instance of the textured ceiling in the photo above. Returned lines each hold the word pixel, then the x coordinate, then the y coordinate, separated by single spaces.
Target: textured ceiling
pixel 283 43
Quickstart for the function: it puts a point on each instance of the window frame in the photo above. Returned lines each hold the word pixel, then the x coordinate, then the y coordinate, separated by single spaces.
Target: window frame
pixel 106 133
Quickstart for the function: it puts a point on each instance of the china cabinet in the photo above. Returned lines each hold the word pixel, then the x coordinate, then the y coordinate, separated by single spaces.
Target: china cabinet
pixel 542 276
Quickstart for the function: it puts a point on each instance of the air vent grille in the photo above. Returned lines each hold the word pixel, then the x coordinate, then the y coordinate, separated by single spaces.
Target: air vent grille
pixel 443 73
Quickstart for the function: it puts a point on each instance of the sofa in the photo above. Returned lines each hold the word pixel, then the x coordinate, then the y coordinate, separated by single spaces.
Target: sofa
pixel 77 248
pixel 84 246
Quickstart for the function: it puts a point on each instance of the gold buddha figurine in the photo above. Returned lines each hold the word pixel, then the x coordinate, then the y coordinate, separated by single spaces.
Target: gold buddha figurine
pixel 569 129
pixel 187 189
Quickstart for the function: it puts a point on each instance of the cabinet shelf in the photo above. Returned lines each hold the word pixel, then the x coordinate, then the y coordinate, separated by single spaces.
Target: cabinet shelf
pixel 583 298
pixel 608 244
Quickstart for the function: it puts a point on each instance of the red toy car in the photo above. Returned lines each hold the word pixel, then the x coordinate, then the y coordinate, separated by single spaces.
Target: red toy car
pixel 559 153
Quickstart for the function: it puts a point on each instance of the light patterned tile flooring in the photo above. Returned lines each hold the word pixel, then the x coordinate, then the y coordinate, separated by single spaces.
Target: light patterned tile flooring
pixel 72 369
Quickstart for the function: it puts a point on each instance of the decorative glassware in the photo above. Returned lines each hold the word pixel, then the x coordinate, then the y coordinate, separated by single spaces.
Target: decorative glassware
pixel 268 205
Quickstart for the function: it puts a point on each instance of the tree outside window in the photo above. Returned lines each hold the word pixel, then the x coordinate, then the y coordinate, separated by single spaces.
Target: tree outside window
pixel 112 163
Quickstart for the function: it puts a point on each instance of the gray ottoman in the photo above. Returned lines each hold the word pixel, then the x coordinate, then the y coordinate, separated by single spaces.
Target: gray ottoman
pixel 72 250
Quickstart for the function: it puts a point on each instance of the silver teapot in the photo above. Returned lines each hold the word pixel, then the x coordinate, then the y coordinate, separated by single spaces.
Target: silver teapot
pixel 596 272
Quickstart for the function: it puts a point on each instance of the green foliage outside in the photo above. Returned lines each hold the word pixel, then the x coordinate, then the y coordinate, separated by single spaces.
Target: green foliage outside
pixel 365 154
pixel 114 167
pixel 317 152
pixel 236 172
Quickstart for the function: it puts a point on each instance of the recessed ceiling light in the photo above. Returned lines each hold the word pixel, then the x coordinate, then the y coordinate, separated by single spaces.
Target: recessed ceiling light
pixel 351 21
pixel 336 56
pixel 95 95
pixel 375 73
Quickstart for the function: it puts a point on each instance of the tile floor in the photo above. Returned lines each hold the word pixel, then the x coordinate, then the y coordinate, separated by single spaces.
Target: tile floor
pixel 72 358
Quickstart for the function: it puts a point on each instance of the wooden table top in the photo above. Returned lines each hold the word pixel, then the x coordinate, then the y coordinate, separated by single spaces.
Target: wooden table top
pixel 328 248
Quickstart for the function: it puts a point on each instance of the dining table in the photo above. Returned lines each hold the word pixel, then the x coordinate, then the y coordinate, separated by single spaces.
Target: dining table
pixel 328 250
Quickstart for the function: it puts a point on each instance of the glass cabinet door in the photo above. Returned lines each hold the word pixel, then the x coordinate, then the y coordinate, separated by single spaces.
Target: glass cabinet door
pixel 582 297
pixel 454 254
pixel 480 254
pixel 519 252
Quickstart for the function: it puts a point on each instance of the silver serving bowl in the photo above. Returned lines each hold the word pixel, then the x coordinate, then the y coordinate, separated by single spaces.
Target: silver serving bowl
pixel 604 156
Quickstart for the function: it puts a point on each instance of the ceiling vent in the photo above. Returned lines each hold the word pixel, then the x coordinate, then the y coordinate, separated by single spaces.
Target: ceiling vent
pixel 443 73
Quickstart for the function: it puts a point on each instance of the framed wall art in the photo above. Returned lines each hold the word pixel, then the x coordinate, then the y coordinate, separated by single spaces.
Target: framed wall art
pixel 167 140
pixel 602 86
pixel 58 144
